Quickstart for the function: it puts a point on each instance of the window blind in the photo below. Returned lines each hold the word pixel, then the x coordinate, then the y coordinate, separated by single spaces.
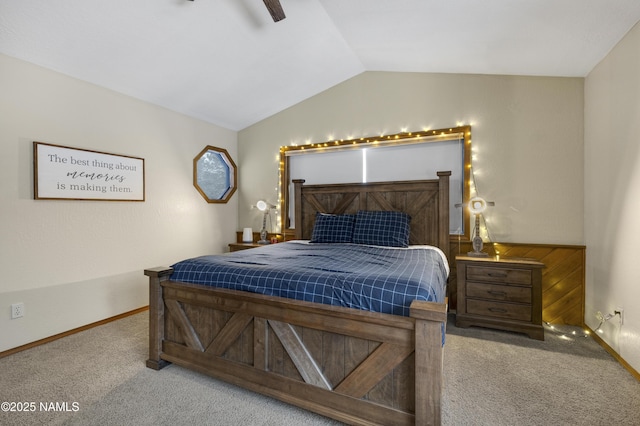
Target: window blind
pixel 385 162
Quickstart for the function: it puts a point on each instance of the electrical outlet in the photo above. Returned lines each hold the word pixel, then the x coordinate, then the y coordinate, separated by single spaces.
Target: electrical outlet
pixel 620 311
pixel 17 310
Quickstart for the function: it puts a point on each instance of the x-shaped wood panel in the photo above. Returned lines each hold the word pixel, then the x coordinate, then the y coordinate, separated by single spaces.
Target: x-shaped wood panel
pixel 357 383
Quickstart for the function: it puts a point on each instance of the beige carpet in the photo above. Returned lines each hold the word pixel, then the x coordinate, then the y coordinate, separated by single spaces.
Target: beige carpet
pixel 98 377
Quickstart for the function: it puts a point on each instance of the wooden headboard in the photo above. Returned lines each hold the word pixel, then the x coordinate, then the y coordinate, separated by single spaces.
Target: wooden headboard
pixel 426 201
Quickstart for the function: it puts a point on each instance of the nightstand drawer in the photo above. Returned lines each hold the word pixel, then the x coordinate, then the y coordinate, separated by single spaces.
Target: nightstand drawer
pixel 499 292
pixel 499 275
pixel 499 310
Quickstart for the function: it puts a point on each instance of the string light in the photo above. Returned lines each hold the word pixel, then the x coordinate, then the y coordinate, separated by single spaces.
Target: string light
pixel 353 142
pixel 566 332
pixel 377 139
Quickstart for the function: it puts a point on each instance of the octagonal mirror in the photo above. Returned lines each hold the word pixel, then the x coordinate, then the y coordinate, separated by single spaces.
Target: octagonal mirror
pixel 215 174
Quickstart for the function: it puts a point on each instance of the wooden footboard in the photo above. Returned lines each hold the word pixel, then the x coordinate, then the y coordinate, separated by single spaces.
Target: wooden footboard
pixel 358 367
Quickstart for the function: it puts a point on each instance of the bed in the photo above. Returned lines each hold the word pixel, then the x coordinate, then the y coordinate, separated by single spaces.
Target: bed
pixel 349 363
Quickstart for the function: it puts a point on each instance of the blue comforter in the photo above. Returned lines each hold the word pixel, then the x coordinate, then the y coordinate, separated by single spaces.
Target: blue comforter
pixel 372 278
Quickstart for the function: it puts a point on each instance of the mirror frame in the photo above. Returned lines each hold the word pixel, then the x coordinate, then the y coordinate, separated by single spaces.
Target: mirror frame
pixel 397 138
pixel 233 174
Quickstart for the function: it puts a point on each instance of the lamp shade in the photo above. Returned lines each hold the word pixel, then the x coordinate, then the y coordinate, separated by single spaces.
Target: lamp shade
pixel 477 205
pixel 262 205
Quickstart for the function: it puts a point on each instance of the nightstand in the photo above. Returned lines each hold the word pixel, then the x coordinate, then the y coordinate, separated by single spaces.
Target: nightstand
pixel 243 246
pixel 239 245
pixel 500 293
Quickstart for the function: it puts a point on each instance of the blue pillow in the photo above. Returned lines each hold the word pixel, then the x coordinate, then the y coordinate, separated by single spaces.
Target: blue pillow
pixel 382 228
pixel 333 228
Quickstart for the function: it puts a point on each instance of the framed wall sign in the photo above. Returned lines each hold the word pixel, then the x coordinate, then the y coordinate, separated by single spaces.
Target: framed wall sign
pixel 63 173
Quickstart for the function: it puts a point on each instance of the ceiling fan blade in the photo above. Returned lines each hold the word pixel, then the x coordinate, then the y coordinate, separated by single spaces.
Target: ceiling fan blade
pixel 275 9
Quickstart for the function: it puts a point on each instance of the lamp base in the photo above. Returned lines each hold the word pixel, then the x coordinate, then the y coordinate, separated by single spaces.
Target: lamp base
pixel 263 233
pixel 477 244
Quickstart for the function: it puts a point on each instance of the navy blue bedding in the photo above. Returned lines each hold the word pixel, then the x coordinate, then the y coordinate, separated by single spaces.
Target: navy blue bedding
pixel 372 278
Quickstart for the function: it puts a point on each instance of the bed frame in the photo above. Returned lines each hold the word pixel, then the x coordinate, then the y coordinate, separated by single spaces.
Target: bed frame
pixel 355 366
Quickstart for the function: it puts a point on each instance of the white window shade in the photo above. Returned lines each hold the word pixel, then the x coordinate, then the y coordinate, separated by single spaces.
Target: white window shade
pixel 385 162
pixel 327 166
pixel 422 161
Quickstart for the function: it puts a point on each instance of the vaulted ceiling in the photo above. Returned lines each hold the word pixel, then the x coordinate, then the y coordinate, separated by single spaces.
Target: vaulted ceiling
pixel 227 62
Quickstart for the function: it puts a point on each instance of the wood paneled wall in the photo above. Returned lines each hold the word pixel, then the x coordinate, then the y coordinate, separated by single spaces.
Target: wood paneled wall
pixel 563 279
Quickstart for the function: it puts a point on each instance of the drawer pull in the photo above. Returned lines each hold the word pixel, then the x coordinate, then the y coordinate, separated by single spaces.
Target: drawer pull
pixel 497 274
pixel 497 293
pixel 498 310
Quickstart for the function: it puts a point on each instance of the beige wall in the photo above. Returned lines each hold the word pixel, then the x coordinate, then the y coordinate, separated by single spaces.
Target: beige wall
pixel 612 195
pixel 76 262
pixel 527 134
